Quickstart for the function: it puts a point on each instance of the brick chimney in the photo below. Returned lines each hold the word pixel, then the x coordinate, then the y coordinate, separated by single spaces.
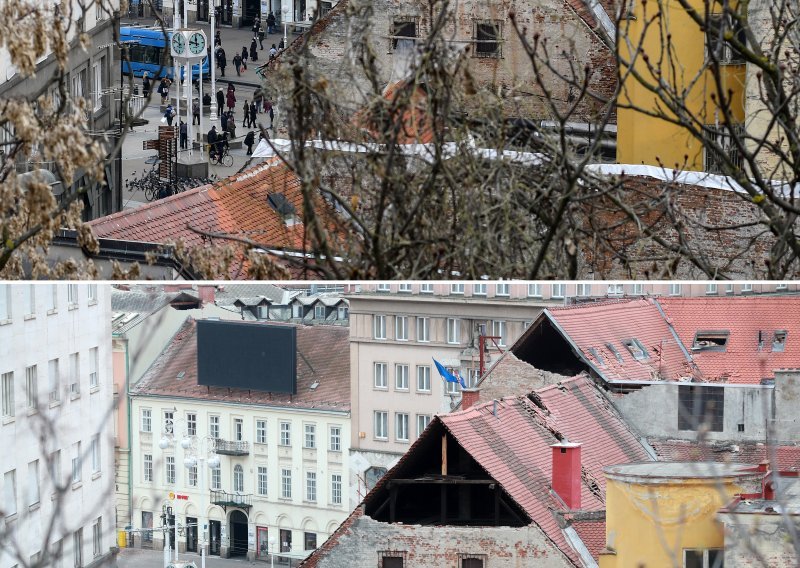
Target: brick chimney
pixel 206 294
pixel 469 398
pixel 567 473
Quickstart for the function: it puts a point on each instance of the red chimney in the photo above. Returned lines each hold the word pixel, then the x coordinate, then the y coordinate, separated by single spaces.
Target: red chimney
pixel 206 294
pixel 469 398
pixel 567 473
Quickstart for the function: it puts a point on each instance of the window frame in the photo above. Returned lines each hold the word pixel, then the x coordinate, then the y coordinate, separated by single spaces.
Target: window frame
pixel 380 425
pixel 481 44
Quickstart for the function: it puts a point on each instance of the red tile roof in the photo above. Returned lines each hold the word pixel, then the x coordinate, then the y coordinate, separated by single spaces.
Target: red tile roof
pixel 322 348
pixel 787 457
pixel 594 326
pixel 744 317
pixel 593 535
pixel 237 206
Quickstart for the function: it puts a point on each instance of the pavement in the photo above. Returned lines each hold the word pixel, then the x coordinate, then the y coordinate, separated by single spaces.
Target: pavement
pixel 144 558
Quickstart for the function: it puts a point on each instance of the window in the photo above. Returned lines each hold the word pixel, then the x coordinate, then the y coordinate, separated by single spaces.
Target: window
pixel 342 312
pixel 535 290
pixel 286 540
pixel 381 425
pixel 10 492
pixel 583 289
pixel 286 483
pixel 336 488
pixel 615 289
pixel 499 330
pixel 781 286
pixel 97 537
pixel 7 380
pixel 169 421
pixel 424 378
pixel 675 289
pixel 747 287
pixel 319 311
pixel 403 31
pixel 729 289
pixel 33 482
pixel 147 461
pixel 216 477
pixel 213 426
pixel 5 302
pixel 401 377
pixel 779 340
pixel 720 149
pixel 95 451
pixel 380 372
pixel 401 426
pixel 426 288
pixel 53 381
pixel 310 539
pixel 72 295
pixel 722 28
pixel 192 478
pixel 94 362
pixel 700 406
pixel 191 424
pixel 286 433
pixel 709 558
pixel 297 310
pixel 423 329
pixel 335 439
pixel 401 328
pixel 471 562
pixel 74 374
pixel 389 561
pixel 311 436
pixel 422 422
pixel 31 390
pixel 479 289
pixel 404 287
pixel 238 479
pixel 261 431
pixel 710 341
pixel 636 349
pixel 638 289
pixel 92 293
pixel 262 480
pixel 384 287
pixel 147 420
pixel 238 429
pixel 97 86
pixel 449 387
pixel 379 327
pixel 487 37
pixel 558 290
pixel 170 471
pixel 29 299
pixel 77 463
pixel 77 547
pixel 456 288
pixel 453 325
pixel 711 289
pixel 502 289
pixel 311 486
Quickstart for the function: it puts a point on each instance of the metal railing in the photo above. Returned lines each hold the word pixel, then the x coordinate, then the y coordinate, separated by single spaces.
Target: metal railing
pixel 231 499
pixel 231 448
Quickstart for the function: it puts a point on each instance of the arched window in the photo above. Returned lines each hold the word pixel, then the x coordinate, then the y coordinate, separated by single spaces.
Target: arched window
pixel 238 479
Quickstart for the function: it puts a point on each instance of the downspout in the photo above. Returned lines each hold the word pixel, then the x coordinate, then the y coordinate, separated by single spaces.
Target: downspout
pixel 130 449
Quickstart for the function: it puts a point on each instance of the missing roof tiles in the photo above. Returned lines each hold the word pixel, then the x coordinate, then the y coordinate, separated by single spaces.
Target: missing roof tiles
pixel 636 348
pixel 710 341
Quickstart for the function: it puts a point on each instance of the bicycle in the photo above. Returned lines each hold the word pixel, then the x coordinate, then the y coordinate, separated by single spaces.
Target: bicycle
pixel 224 159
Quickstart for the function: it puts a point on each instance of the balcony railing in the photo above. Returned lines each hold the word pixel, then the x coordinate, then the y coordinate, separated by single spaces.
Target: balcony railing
pixel 229 448
pixel 225 499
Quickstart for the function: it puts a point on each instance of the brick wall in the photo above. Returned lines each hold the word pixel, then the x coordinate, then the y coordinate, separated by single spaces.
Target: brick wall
pixel 512 377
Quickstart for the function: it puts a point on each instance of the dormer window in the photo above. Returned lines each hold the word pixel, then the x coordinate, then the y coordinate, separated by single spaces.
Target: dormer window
pixel 636 348
pixel 710 341
pixel 319 311
pixel 779 340
pixel 614 351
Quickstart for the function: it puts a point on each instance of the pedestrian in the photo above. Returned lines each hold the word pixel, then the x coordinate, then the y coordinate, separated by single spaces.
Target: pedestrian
pixel 254 49
pixel 195 111
pixel 220 100
pixel 261 38
pixel 246 115
pixel 237 62
pixel 271 23
pixel 249 140
pixel 231 124
pixel 212 142
pixel 163 90
pixel 253 112
pixel 206 99
pixel 231 97
pixel 221 60
pixel 217 39
pixel 244 55
pixel 256 25
pixel 146 85
pixel 223 120
pixel 258 98
pixel 169 114
pixel 268 106
pixel 281 46
pixel 273 52
pixel 183 129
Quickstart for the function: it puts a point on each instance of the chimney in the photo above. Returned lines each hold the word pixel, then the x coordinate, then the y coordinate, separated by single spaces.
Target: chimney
pixel 206 294
pixel 469 398
pixel 567 473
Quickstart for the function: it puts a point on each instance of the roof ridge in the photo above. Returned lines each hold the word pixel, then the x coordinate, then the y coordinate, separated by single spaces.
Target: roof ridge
pixel 153 205
pixel 601 303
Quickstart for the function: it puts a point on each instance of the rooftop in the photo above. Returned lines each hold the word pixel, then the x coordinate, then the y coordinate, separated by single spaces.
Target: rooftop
pixel 660 472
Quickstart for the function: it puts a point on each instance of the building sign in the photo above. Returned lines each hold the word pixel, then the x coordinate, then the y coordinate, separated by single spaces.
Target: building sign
pixel 172 496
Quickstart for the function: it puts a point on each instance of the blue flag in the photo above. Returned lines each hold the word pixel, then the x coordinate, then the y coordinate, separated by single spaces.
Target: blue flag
pixel 446 375
pixel 461 380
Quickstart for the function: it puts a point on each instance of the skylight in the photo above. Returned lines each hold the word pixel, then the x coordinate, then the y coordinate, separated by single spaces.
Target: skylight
pixel 636 348
pixel 779 340
pixel 711 340
pixel 614 351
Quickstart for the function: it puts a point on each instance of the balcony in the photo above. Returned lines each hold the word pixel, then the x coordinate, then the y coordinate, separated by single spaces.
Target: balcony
pixel 225 500
pixel 228 448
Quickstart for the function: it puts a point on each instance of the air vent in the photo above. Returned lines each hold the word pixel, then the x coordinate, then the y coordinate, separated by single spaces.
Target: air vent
pixel 314 385
pixel 280 204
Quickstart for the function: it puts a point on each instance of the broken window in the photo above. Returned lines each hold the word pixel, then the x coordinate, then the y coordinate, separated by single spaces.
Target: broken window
pixel 596 354
pixel 701 406
pixel 487 37
pixel 779 340
pixel 614 351
pixel 402 29
pixel 636 348
pixel 710 341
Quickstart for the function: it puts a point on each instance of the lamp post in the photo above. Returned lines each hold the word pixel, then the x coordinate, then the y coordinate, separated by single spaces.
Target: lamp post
pixel 272 551
pixel 168 440
pixel 285 11
pixel 198 446
pixel 213 63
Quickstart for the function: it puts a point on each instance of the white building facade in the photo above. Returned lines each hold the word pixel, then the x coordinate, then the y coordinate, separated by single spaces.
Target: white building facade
pixel 56 434
pixel 280 486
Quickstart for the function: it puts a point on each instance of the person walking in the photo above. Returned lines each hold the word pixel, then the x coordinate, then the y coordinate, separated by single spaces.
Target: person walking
pixel 195 111
pixel 254 49
pixel 184 134
pixel 268 107
pixel 222 62
pixel 237 62
pixel 256 25
pixel 231 97
pixel 146 85
pixel 271 23
pixel 244 55
pixel 253 112
pixel 246 115
pixel 249 140
pixel 231 125
pixel 217 38
pixel 220 100
pixel 260 35
pixel 223 120
pixel 273 52
pixel 163 90
pixel 169 114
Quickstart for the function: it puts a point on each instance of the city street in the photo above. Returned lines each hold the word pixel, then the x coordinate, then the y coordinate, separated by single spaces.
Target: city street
pixel 144 558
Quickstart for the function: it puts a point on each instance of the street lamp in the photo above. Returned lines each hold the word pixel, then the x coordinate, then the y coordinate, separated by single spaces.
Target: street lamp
pixel 213 64
pixel 272 551
pixel 199 449
pixel 285 11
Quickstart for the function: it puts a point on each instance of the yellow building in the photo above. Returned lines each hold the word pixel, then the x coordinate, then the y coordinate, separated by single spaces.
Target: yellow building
pixel 669 54
pixel 665 513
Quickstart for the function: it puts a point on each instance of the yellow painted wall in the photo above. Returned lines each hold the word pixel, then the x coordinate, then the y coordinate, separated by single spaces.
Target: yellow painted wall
pixel 650 524
pixel 648 140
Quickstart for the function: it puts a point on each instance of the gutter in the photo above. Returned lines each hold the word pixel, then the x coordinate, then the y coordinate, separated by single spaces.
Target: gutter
pixel 130 453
